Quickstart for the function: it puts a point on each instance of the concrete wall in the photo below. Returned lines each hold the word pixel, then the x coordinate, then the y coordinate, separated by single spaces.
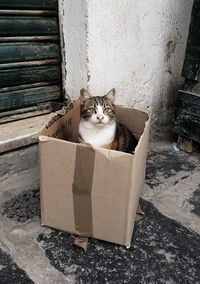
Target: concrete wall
pixel 135 46
pixel 73 32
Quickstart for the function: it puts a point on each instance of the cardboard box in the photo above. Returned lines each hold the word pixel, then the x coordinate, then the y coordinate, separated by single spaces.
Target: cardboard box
pixel 87 191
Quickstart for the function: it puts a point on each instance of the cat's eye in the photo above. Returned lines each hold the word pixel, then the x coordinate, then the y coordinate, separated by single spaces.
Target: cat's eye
pixel 106 110
pixel 92 110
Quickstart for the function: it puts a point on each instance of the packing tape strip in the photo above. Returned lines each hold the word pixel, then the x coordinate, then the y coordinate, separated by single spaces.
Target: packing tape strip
pixel 82 188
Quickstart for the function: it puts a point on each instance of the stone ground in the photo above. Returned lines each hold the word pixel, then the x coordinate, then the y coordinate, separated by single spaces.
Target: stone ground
pixel 165 244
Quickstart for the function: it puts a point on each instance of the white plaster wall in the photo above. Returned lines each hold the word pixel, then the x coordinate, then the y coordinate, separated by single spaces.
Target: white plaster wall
pixel 73 23
pixel 138 47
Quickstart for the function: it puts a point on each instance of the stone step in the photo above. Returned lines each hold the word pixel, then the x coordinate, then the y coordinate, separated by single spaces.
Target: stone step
pixel 19 157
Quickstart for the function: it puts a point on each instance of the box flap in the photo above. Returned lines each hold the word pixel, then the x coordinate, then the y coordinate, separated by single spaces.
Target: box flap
pixel 63 124
pixel 134 119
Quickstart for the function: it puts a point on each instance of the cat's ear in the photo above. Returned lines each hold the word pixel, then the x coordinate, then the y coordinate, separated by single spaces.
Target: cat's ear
pixel 110 96
pixel 84 95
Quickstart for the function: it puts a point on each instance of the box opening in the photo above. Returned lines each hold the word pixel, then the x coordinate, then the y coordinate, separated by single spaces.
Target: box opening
pixel 64 124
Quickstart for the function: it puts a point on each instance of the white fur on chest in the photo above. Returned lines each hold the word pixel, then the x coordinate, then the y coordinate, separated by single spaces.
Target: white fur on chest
pixel 96 136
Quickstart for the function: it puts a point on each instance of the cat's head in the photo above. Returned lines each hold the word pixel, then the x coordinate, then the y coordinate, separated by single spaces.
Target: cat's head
pixel 99 111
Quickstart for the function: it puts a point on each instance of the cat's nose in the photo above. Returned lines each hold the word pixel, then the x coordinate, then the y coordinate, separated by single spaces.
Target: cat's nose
pixel 100 117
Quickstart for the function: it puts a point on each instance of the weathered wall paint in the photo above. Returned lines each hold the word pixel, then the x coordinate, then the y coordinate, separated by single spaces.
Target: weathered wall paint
pixel 73 22
pixel 135 46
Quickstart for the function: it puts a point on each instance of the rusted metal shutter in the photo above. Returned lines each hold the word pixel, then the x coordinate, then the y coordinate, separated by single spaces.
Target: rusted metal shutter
pixel 30 71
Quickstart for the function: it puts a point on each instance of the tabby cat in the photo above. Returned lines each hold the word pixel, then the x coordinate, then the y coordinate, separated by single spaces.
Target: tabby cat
pixel 98 125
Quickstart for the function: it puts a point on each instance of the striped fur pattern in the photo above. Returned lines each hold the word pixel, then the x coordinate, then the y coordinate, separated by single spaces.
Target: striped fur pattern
pixel 99 127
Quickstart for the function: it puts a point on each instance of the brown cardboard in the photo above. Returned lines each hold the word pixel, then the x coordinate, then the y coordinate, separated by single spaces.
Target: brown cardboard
pixel 91 192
